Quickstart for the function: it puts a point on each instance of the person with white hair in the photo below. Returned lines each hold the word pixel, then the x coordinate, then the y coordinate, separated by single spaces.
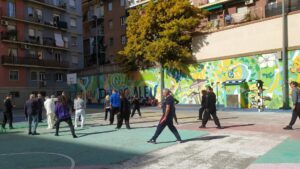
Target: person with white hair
pixel 167 118
pixel 49 105
pixel 79 107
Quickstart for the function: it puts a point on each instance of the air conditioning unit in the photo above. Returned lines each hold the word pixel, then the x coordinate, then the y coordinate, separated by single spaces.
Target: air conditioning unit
pixel 3 22
pixel 249 2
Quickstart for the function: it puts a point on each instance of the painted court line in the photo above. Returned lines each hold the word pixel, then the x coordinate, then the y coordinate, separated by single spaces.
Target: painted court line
pixel 48 153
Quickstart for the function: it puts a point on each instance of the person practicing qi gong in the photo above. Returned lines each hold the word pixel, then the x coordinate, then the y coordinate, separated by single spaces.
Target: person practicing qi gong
pixel 167 118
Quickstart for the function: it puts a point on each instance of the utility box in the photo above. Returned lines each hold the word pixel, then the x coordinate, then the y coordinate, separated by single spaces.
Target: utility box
pixel 236 92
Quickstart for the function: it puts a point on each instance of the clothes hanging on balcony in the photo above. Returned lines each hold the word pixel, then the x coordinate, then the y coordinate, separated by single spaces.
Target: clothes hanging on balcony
pixel 58 40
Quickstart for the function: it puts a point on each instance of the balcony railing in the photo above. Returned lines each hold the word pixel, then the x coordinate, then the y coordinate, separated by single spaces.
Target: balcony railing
pixel 61 5
pixel 102 69
pixel 33 62
pixel 36 41
pixel 36 20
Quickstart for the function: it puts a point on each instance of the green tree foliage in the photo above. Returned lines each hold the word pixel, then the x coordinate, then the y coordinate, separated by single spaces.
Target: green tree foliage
pixel 159 33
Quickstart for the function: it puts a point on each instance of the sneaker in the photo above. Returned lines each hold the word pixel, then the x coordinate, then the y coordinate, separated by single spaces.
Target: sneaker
pixel 29 133
pixel 56 135
pixel 288 128
pixel 179 141
pixel 75 136
pixel 117 128
pixel 35 133
pixel 151 141
pixel 202 127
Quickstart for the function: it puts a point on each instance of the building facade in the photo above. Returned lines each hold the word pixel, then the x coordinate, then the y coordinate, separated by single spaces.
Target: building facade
pixel 238 43
pixel 41 41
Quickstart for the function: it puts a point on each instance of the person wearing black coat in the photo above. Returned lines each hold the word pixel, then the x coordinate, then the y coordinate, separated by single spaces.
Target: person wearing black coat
pixel 136 106
pixel 40 102
pixel 124 110
pixel 7 114
pixel 31 113
pixel 210 108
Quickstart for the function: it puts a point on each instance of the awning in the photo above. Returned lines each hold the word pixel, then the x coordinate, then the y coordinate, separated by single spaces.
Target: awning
pixel 58 40
pixel 234 82
pixel 214 7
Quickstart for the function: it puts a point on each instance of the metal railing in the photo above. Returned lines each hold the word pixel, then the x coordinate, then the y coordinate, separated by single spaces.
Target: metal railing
pixel 29 61
pixel 102 69
pixel 252 14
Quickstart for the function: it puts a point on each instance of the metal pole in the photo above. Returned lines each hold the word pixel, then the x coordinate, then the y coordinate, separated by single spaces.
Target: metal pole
pixel 97 57
pixel 162 81
pixel 285 57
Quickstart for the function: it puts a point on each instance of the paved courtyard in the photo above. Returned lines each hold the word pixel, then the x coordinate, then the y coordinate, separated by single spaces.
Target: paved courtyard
pixel 249 140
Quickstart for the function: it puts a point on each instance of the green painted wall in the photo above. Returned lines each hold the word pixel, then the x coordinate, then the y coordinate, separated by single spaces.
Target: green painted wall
pixel 265 67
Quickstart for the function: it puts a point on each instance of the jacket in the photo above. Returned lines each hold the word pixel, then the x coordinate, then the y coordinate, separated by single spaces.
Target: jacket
pixel 8 106
pixel 62 111
pixel 125 106
pixel 115 100
pixel 31 107
pixel 49 106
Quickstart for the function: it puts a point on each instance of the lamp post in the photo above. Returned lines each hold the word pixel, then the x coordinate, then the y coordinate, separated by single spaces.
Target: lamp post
pixel 97 53
pixel 285 57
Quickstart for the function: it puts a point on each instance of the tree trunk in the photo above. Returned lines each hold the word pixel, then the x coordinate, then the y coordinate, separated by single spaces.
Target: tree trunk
pixel 162 81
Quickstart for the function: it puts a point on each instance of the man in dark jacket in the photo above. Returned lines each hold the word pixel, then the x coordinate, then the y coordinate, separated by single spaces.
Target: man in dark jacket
pixel 8 116
pixel 31 113
pixel 167 118
pixel 124 110
pixel 210 108
pixel 40 103
pixel 136 106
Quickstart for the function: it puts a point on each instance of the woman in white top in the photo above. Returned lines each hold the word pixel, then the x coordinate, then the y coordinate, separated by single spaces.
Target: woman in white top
pixel 50 108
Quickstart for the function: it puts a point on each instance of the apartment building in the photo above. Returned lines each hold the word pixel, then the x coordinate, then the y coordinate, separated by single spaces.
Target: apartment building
pixel 104 35
pixel 41 41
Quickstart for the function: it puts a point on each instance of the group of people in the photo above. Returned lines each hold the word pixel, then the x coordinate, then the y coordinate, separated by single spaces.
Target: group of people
pixel 57 111
pixel 120 104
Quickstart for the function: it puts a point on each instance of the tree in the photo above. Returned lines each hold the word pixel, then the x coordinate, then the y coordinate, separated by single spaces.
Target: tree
pixel 159 34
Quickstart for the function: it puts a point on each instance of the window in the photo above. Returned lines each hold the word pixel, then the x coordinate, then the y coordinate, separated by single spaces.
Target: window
pixel 32 54
pixel 122 2
pixel 110 24
pixel 73 22
pixel 42 76
pixel 33 76
pixel 11 9
pixel 72 3
pixel 15 94
pixel 123 39
pixel 110 6
pixel 74 41
pixel 30 11
pixel 14 75
pixel 75 59
pixel 12 52
pixel 123 20
pixel 111 41
pixel 57 57
pixel 31 32
pixel 59 77
pixel 38 14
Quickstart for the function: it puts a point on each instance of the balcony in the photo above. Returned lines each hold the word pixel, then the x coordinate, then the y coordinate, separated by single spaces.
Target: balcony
pixel 33 62
pixel 61 6
pixel 134 3
pixel 35 41
pixel 35 20
pixel 102 69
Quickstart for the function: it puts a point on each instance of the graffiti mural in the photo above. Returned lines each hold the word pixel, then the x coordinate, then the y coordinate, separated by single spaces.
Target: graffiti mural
pixel 265 67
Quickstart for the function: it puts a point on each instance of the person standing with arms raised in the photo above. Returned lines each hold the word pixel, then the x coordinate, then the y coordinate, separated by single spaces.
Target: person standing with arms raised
pixel 167 118
pixel 115 105
pixel 62 112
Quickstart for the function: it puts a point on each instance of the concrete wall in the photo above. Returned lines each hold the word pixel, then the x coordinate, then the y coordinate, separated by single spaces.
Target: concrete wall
pixel 253 38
